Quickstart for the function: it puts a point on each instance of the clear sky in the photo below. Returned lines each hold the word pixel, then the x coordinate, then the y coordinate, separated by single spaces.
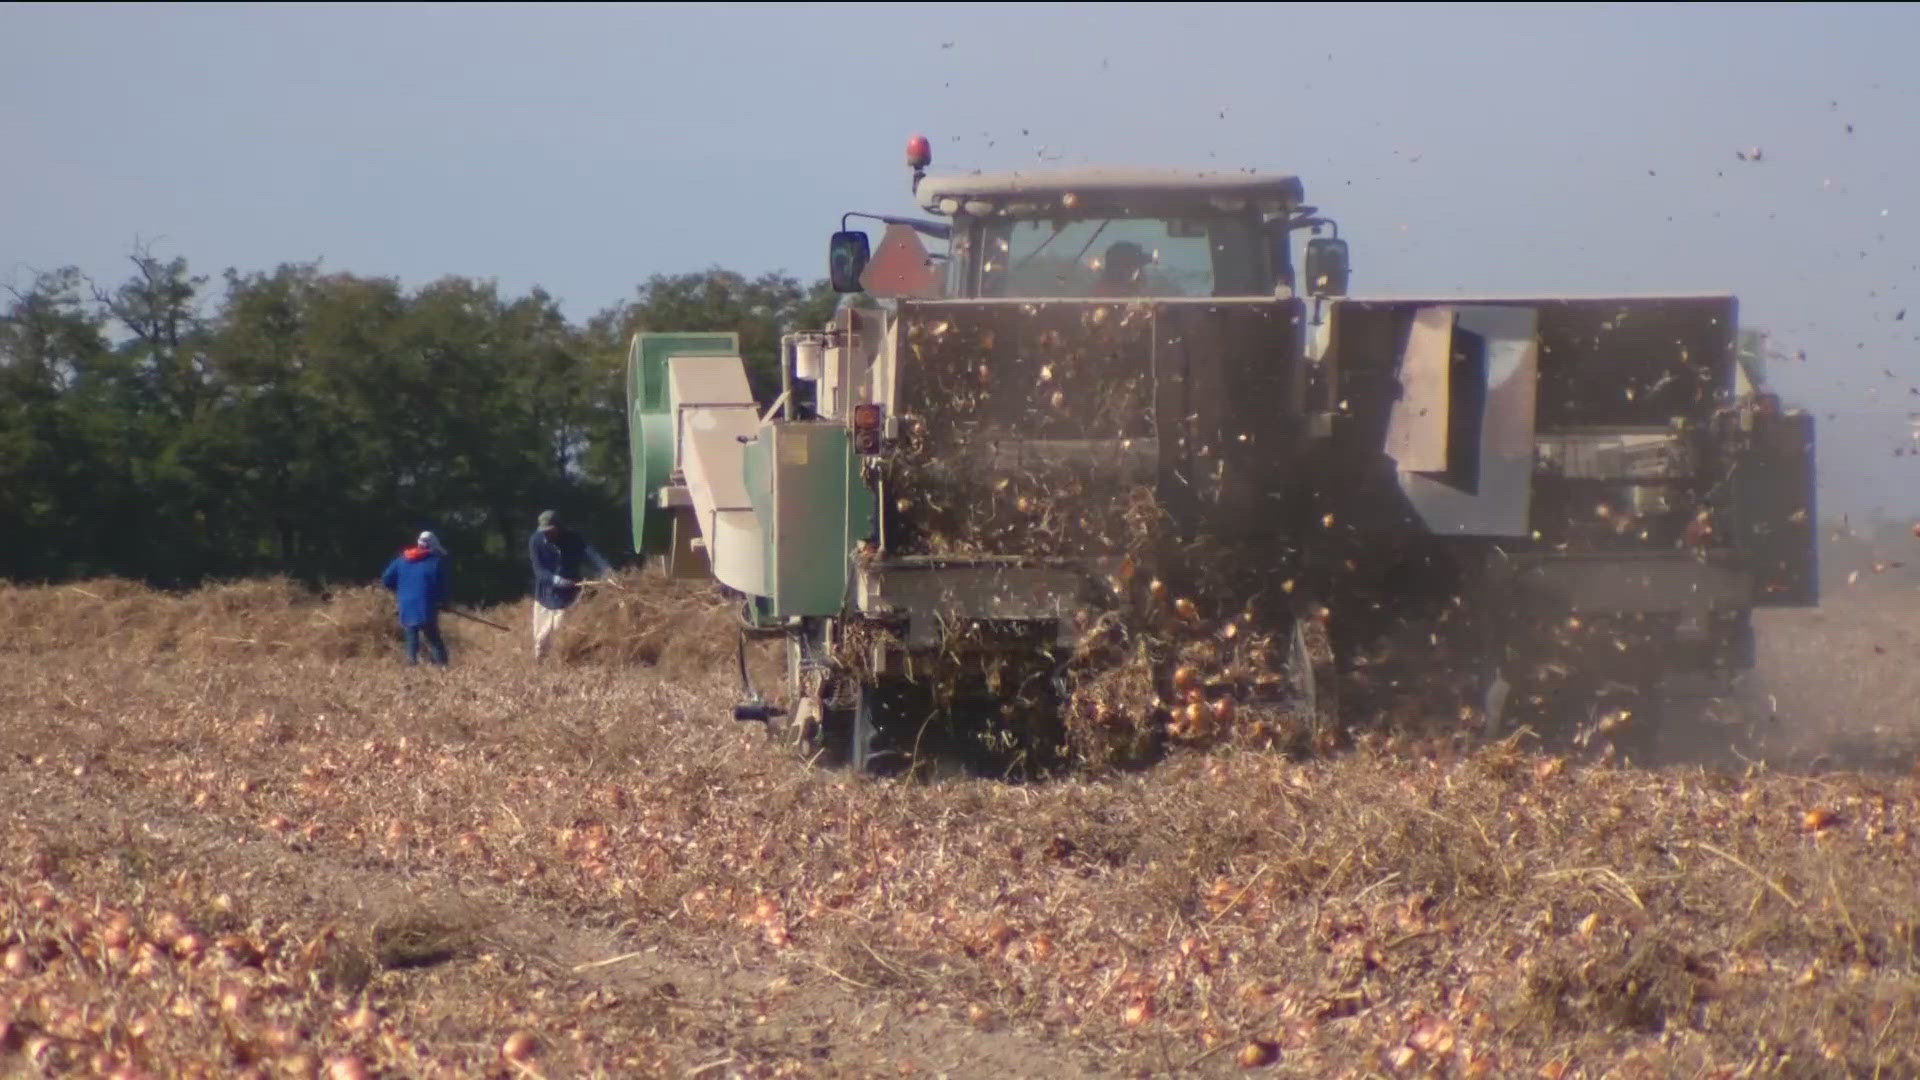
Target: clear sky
pixel 1464 148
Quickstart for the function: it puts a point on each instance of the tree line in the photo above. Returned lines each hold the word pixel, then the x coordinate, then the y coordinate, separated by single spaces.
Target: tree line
pixel 174 429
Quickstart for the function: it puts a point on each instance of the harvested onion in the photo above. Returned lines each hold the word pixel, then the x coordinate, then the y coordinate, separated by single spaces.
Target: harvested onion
pixel 519 1047
pixel 1258 1053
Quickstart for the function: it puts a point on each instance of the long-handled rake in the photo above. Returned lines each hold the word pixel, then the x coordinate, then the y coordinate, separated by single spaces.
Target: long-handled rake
pixel 471 617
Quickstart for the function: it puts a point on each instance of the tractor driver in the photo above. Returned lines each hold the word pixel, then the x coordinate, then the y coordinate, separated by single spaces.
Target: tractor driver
pixel 1123 269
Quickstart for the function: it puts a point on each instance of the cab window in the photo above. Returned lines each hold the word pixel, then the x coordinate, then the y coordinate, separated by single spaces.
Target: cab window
pixel 1118 256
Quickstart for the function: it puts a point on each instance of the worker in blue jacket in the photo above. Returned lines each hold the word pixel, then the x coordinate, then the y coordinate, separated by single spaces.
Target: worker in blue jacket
pixel 558 555
pixel 418 580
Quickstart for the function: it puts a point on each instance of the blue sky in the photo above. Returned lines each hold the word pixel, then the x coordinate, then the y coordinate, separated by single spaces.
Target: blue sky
pixel 1465 148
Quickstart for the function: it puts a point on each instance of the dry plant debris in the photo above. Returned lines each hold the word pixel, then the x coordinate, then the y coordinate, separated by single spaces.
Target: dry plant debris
pixel 309 860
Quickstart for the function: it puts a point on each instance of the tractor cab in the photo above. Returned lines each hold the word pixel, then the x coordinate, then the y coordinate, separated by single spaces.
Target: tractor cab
pixel 1094 234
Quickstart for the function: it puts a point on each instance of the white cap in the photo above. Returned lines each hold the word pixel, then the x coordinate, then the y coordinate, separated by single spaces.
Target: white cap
pixel 431 543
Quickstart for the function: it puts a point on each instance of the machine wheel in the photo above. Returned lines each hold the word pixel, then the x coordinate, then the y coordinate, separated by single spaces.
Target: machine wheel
pixel 1031 736
pixel 1314 676
pixel 1559 709
pixel 1623 716
pixel 827 725
pixel 868 733
pixel 873 733
pixel 1742 651
pixel 1496 692
pixel 895 726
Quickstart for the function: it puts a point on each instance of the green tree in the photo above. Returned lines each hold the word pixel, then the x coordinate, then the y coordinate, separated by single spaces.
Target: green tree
pixel 306 422
pixel 295 354
pixel 52 354
pixel 372 413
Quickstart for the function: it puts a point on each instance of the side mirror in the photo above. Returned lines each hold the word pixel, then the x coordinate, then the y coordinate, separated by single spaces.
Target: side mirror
pixel 847 256
pixel 1327 270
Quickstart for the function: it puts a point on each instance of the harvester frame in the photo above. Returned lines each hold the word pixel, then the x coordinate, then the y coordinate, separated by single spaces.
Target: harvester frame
pixel 1013 457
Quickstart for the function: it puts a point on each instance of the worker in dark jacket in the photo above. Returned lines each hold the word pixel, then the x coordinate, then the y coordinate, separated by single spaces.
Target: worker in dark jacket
pixel 418 580
pixel 558 555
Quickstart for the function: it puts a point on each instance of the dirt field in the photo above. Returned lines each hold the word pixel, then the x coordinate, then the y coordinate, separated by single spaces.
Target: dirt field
pixel 1844 680
pixel 238 836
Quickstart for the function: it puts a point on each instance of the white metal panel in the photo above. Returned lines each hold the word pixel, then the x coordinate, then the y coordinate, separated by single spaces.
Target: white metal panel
pixel 713 411
pixel 1504 500
pixel 706 382
pixel 1417 426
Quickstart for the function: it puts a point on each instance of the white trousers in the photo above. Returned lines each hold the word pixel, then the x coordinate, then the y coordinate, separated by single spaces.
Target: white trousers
pixel 545 621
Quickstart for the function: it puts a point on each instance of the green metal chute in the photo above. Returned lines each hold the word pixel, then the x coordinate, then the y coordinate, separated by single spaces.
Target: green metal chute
pixel 650 425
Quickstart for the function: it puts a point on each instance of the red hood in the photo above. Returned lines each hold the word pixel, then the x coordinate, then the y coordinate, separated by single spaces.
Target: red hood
pixel 416 553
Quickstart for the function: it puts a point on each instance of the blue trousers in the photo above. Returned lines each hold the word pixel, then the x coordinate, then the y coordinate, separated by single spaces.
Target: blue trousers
pixel 436 648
